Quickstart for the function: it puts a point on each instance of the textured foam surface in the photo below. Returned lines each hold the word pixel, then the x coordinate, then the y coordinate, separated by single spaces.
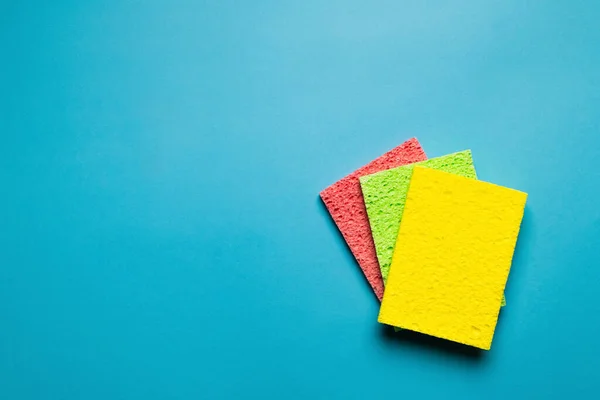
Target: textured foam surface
pixel 385 195
pixel 458 237
pixel 344 201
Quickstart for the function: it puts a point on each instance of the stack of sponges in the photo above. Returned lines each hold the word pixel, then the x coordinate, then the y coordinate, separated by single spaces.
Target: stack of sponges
pixel 435 243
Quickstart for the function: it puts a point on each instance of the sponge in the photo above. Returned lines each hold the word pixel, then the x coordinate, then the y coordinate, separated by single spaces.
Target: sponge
pixel 385 195
pixel 344 201
pixel 458 237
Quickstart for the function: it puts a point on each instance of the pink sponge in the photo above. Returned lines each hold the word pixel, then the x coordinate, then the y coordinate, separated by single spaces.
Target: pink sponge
pixel 344 201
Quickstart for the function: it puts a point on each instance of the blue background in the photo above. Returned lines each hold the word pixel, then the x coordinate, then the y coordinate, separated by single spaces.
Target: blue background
pixel 161 235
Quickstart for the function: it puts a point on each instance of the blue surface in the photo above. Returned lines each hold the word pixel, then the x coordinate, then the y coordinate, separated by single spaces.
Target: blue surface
pixel 161 235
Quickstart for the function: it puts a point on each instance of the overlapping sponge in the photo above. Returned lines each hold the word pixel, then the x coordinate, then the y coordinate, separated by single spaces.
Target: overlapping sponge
pixel 385 196
pixel 344 201
pixel 457 242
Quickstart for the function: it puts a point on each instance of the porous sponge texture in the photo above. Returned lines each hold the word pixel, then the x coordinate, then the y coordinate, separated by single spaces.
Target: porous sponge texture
pixel 458 237
pixel 344 201
pixel 385 196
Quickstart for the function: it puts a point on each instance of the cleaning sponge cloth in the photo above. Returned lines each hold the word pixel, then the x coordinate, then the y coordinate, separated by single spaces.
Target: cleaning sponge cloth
pixel 458 237
pixel 385 195
pixel 344 201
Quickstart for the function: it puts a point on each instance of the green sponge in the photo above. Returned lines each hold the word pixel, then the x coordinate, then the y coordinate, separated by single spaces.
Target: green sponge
pixel 385 194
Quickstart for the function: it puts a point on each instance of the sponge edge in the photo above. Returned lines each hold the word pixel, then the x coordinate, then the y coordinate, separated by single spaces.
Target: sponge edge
pixel 344 201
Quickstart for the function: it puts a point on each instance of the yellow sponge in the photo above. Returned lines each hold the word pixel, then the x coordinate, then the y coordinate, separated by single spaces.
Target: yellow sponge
pixel 457 241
